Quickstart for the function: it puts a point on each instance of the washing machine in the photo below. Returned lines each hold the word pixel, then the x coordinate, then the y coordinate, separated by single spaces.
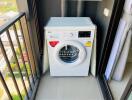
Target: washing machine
pixel 69 42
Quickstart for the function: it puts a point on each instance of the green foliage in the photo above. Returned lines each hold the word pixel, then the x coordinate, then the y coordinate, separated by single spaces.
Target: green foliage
pixel 16 96
pixel 16 71
pixel 22 67
pixel 18 52
pixel 10 6
pixel 22 46
pixel 13 66
pixel 28 69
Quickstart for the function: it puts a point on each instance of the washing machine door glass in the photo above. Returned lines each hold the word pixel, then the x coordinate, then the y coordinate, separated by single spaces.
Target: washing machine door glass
pixel 69 53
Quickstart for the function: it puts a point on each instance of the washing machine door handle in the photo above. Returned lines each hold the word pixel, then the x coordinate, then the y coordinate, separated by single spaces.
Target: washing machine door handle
pixel 70 53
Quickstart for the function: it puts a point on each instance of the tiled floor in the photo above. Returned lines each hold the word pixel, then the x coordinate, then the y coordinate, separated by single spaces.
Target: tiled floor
pixel 68 88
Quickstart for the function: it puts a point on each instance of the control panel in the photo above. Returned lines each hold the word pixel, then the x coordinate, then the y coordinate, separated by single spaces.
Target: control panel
pixel 70 34
pixel 84 34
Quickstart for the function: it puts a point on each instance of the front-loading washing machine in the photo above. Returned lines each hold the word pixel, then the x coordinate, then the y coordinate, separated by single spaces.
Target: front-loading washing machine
pixel 69 43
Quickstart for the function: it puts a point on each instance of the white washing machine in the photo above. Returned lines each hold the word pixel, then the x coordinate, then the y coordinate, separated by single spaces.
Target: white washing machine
pixel 69 41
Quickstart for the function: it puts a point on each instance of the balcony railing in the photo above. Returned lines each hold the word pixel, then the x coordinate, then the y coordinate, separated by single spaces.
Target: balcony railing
pixel 17 60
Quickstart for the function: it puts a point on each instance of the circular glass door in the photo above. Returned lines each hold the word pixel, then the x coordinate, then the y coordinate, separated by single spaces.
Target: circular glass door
pixel 69 53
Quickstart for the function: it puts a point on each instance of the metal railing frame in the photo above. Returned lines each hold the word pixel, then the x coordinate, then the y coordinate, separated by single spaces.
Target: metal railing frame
pixel 5 28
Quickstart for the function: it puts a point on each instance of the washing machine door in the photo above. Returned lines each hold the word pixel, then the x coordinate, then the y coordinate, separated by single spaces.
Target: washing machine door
pixel 70 53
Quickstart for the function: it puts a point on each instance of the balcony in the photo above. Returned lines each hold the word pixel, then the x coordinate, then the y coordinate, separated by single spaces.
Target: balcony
pixel 21 49
pixel 21 72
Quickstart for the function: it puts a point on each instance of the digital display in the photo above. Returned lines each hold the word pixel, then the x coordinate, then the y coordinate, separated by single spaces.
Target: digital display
pixel 84 34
